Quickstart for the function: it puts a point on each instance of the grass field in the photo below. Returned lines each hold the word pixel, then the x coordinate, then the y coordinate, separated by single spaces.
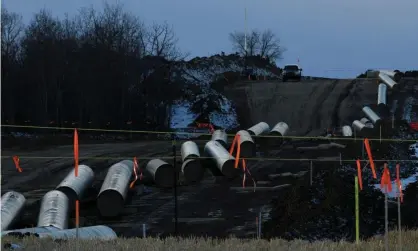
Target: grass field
pixel 410 243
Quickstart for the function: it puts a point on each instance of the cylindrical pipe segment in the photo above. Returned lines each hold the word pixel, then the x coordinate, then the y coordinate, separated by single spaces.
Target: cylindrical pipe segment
pixel 54 210
pixel 224 161
pixel 189 150
pixel 112 195
pixel 221 137
pixel 27 231
pixel 12 204
pixel 162 173
pixel 192 170
pixel 367 123
pixel 396 75
pixel 358 126
pixel 347 131
pixel 74 187
pixel 381 95
pixel 247 145
pixel 387 80
pixel 370 114
pixel 259 129
pixel 99 232
pixel 279 130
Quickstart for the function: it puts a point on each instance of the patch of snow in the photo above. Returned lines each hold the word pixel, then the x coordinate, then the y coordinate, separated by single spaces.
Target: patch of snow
pixel 181 116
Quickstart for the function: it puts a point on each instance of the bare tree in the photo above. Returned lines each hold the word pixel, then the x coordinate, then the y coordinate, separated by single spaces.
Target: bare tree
pixel 162 42
pixel 11 30
pixel 265 44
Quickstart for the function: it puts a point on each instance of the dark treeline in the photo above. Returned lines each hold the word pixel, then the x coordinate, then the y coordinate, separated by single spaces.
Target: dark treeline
pixel 98 69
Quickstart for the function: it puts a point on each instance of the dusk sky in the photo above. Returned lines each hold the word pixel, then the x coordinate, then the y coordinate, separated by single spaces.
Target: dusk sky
pixel 339 38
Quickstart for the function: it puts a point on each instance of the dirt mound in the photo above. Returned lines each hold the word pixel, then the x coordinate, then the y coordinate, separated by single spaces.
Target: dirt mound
pixel 308 106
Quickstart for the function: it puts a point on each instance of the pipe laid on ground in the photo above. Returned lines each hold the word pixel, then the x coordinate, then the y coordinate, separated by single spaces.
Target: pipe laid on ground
pixel 396 75
pixel 347 131
pixel 367 123
pixel 280 129
pixel 259 129
pixel 54 210
pixel 162 173
pixel 221 137
pixel 387 80
pixel 381 95
pixel 99 232
pixel 247 144
pixel 191 168
pixel 74 187
pixel 12 204
pixel 370 114
pixel 112 195
pixel 224 161
pixel 28 231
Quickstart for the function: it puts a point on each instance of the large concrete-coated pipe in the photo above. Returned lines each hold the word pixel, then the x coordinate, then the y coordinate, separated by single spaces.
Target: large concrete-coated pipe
pixel 396 75
pixel 74 187
pixel 247 145
pixel 361 129
pixel 279 130
pixel 162 173
pixel 387 80
pixel 192 170
pixel 112 195
pixel 99 232
pixel 54 210
pixel 189 150
pixel 12 204
pixel 221 137
pixel 381 95
pixel 224 161
pixel 347 131
pixel 370 114
pixel 258 129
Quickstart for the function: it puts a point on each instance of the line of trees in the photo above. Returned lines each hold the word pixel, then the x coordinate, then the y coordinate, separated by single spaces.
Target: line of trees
pixel 99 68
pixel 96 68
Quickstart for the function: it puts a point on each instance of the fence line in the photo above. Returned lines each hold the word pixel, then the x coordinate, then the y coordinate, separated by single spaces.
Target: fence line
pixel 203 134
pixel 325 159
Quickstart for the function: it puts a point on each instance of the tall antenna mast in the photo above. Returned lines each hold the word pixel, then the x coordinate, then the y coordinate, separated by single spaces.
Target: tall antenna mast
pixel 245 32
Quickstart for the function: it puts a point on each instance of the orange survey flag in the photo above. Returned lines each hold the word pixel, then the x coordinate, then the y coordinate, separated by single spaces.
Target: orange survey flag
pixel 360 179
pixel 135 168
pixel 17 165
pixel 385 182
pixel 369 154
pixel 76 152
pixel 236 141
pixel 398 182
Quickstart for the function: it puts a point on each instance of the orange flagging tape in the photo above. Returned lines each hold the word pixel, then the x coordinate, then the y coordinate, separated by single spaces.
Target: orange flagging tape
pixel 76 152
pixel 369 154
pixel 17 165
pixel 385 182
pixel 398 182
pixel 360 179
pixel 135 168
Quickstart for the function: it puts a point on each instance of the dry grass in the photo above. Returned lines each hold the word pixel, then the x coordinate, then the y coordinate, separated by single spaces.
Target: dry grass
pixel 410 243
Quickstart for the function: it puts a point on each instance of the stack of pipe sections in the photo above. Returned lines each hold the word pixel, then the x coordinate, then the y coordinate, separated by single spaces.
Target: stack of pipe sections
pixel 54 210
pixel 162 173
pixel 112 195
pixel 191 168
pixel 387 80
pixel 372 116
pixel 346 131
pixel 12 204
pixel 279 130
pixel 99 232
pixel 221 137
pixel 224 161
pixel 74 187
pixel 247 145
pixel 259 129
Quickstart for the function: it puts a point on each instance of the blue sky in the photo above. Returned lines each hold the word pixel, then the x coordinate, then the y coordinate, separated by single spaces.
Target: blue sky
pixel 339 38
